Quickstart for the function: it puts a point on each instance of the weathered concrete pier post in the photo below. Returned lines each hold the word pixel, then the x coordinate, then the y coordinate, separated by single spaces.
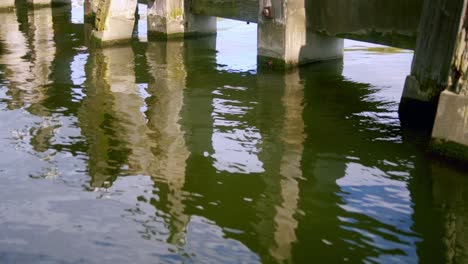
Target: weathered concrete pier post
pixel 173 18
pixel 284 38
pixel 115 20
pixel 438 28
pixel 450 133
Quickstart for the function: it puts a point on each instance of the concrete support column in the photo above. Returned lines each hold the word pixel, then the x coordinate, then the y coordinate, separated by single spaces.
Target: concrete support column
pixel 172 19
pixel 115 20
pixel 284 39
pixel 450 133
pixel 438 29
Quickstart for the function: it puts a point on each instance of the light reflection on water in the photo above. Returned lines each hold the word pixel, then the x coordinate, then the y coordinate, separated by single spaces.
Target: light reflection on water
pixel 183 152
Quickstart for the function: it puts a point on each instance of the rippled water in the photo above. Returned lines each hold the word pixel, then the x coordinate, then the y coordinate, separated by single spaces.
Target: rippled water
pixel 183 152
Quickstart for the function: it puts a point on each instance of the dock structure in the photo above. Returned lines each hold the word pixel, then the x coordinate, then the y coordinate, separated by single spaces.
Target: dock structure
pixel 296 32
pixel 290 32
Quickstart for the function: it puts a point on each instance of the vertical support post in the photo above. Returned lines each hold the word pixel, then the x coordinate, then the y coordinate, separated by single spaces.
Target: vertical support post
pixel 284 39
pixel 115 20
pixel 450 133
pixel 173 18
pixel 438 29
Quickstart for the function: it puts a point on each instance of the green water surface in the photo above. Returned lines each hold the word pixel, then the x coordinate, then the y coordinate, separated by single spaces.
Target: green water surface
pixel 182 152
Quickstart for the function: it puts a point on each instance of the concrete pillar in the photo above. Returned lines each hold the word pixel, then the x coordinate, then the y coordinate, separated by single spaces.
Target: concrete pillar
pixel 115 20
pixel 6 4
pixel 438 28
pixel 450 131
pixel 172 19
pixel 284 39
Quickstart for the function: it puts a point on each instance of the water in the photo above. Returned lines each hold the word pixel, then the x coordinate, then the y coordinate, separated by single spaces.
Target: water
pixel 177 152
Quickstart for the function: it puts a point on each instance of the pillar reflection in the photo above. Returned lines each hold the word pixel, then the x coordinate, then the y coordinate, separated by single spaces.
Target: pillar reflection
pixel 112 118
pixel 17 66
pixel 450 195
pixel 28 60
pixel 282 150
pixel 131 125
pixel 41 36
pixel 167 70
pixel 292 138
pixel 133 129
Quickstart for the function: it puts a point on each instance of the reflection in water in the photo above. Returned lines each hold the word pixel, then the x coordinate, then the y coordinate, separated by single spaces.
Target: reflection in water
pixel 451 196
pixel 96 116
pixel 235 143
pixel 28 66
pixel 28 61
pixel 133 129
pixel 17 68
pixel 190 159
pixel 167 69
pixel 290 169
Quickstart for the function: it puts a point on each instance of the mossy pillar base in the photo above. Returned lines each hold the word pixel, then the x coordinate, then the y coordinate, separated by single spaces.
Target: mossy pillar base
pixel 115 20
pixel 285 41
pixel 450 133
pixel 418 103
pixel 173 19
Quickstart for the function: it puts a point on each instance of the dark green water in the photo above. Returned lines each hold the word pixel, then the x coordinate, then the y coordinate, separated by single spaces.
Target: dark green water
pixel 182 152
